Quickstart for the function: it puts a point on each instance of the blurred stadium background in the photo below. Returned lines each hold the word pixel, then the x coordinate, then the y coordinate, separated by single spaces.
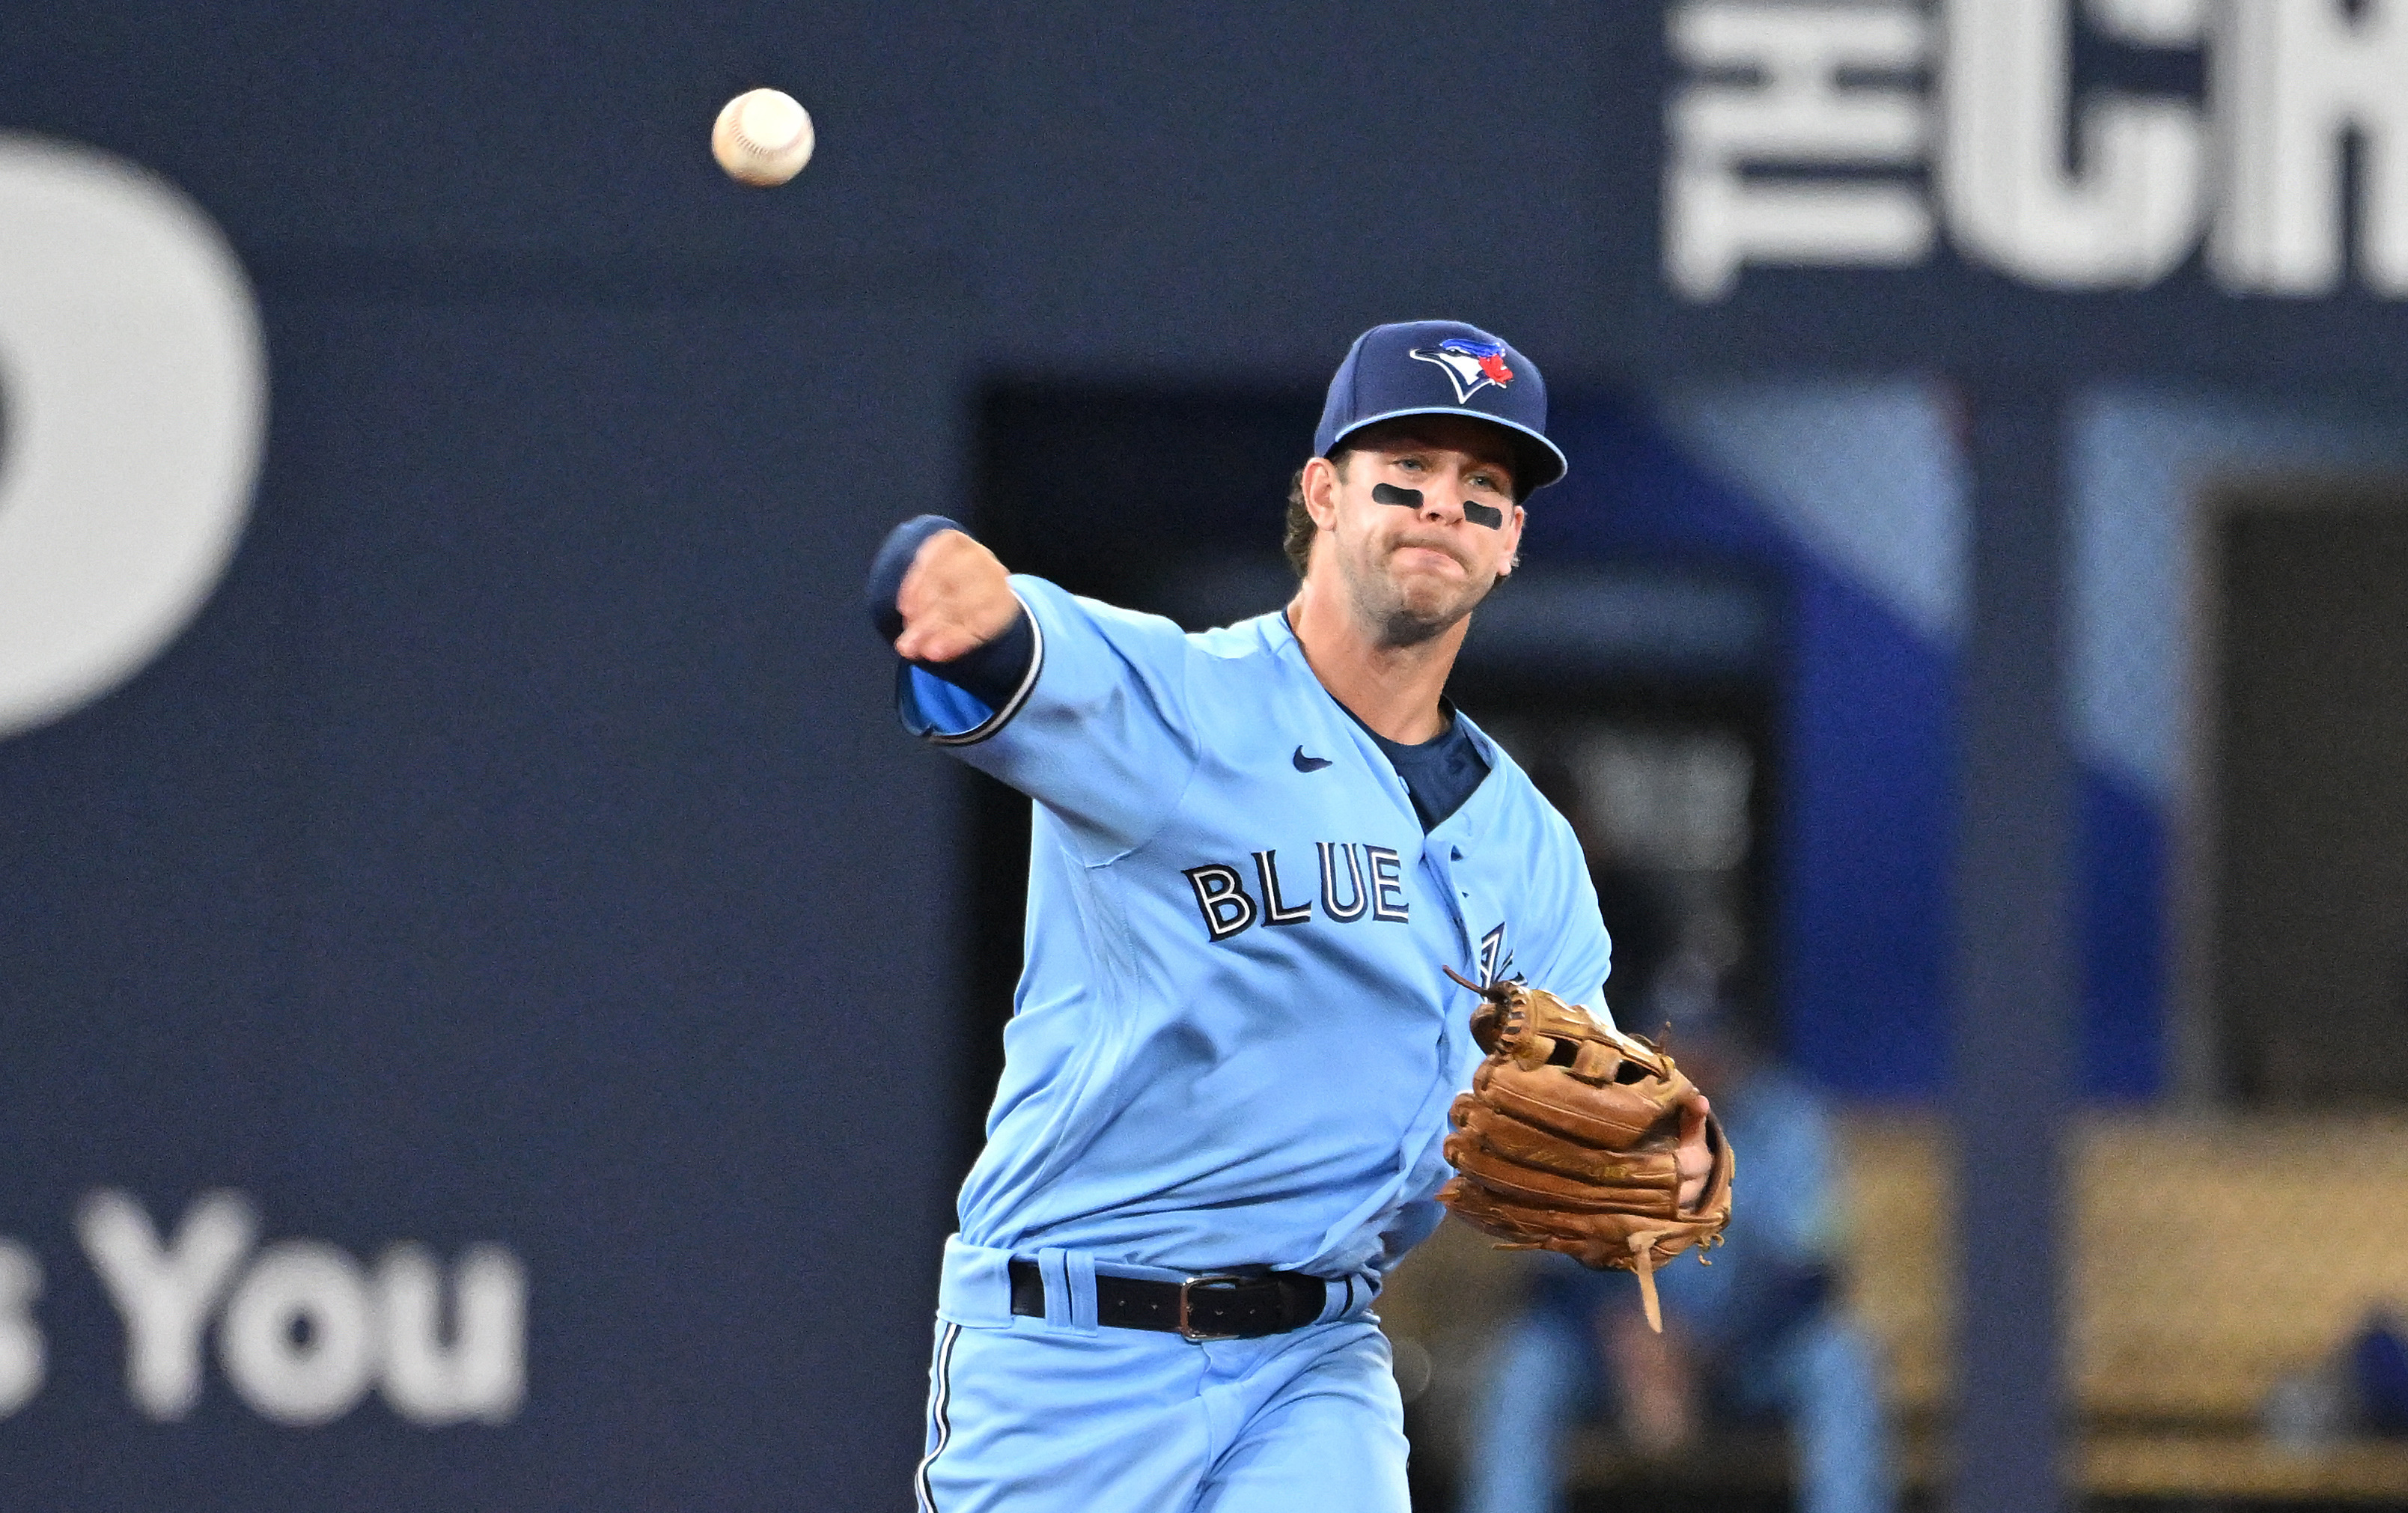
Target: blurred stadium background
pixel 491 1009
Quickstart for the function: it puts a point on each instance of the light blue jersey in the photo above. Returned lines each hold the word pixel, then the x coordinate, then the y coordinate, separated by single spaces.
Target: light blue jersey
pixel 1232 1044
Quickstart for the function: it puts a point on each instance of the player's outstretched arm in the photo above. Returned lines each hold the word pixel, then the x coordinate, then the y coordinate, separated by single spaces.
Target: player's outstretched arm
pixel 1080 707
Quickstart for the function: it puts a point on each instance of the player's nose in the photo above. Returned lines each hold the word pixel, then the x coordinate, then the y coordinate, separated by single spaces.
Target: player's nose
pixel 1442 500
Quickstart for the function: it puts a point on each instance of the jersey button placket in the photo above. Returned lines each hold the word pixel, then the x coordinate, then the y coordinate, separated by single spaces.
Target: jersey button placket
pixel 1436 854
pixel 1453 1019
pixel 1468 894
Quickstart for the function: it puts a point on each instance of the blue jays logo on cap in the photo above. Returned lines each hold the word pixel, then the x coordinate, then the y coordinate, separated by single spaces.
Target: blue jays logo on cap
pixel 1472 365
pixel 1387 375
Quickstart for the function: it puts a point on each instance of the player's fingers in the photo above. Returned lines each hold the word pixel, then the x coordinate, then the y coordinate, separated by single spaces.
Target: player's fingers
pixel 935 641
pixel 928 579
pixel 1692 1160
pixel 954 597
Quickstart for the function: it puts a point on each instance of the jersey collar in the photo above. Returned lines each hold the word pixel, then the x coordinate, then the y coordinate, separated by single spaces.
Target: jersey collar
pixel 1282 639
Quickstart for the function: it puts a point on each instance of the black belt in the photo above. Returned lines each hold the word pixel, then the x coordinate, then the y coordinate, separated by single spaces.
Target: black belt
pixel 1220 1306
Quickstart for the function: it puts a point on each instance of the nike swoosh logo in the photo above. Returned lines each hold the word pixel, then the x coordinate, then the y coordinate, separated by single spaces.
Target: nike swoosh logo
pixel 1309 764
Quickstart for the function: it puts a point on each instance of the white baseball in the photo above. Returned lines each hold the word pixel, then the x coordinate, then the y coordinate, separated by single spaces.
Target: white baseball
pixel 762 137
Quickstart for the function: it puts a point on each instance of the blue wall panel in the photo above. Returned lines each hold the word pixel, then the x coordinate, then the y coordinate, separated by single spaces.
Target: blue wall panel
pixel 2123 937
pixel 1864 845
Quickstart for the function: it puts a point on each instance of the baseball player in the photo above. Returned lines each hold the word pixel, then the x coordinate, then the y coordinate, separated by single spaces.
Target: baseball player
pixel 1257 852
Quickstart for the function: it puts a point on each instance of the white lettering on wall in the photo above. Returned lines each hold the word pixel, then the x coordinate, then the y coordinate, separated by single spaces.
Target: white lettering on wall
pixel 164 1293
pixel 23 1360
pixel 1792 140
pixel 1775 97
pixel 133 404
pixel 480 1373
pixel 303 1330
pixel 2127 217
pixel 2291 78
pixel 298 1340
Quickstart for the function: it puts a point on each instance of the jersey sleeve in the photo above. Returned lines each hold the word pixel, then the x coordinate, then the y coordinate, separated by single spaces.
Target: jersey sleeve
pixel 1098 730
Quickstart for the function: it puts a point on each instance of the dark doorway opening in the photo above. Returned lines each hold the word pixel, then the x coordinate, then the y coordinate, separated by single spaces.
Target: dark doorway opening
pixel 2310 913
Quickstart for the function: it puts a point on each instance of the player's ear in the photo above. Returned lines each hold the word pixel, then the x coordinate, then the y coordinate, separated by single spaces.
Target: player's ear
pixel 1321 492
pixel 1513 543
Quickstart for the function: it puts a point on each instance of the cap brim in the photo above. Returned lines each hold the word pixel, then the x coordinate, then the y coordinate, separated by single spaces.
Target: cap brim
pixel 1539 456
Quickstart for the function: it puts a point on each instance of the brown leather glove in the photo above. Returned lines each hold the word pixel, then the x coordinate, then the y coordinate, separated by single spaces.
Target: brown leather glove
pixel 1567 1141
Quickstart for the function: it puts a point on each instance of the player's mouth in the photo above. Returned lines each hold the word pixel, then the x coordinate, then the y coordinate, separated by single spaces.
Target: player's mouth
pixel 1408 554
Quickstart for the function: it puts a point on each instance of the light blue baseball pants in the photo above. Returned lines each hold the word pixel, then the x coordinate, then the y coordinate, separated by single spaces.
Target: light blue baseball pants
pixel 1056 1415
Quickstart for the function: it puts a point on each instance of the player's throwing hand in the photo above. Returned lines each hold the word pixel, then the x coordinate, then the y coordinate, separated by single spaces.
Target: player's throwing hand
pixel 955 598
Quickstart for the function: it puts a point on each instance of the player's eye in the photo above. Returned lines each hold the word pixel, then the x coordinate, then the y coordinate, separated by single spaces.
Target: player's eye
pixel 1414 463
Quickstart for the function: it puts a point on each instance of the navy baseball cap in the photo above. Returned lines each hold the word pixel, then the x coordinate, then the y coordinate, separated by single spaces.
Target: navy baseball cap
pixel 1443 367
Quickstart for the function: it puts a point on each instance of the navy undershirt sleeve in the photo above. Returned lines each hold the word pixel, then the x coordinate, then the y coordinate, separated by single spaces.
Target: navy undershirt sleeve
pixel 992 672
pixel 1439 774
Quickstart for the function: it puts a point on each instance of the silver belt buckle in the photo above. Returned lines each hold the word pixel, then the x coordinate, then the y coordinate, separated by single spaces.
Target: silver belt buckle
pixel 1187 1331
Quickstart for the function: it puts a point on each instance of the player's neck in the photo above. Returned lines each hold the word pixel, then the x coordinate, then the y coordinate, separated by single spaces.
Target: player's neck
pixel 1393 689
